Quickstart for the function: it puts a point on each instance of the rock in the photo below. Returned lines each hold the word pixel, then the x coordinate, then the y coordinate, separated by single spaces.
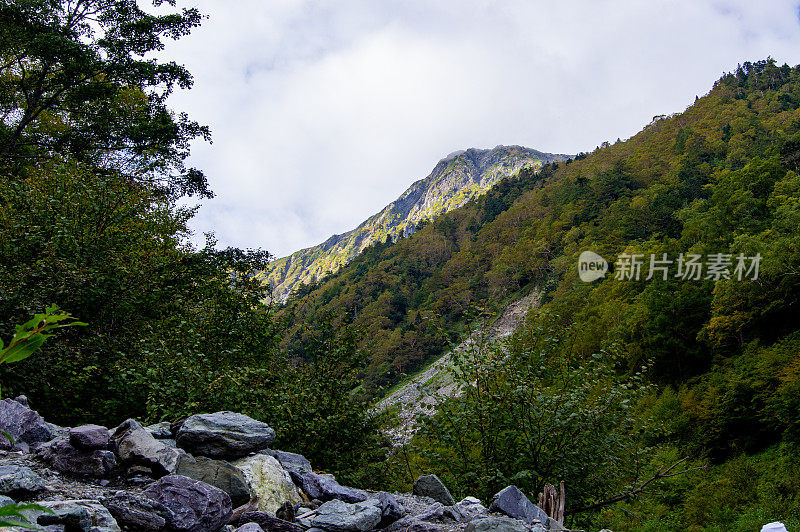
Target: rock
pixel 137 513
pixel 286 512
pixel 137 446
pixel 339 516
pixel 61 455
pixel 160 431
pixel 326 488
pixel 512 502
pixel 22 424
pixel 224 435
pixel 270 482
pixel 438 513
pixel 196 506
pixel 391 510
pixel 19 480
pixel 470 507
pixel 89 437
pixel 72 517
pixel 5 500
pixel 219 474
pixel 495 524
pixel 268 522
pixel 250 527
pixel 431 486
pixel 101 518
pixel 296 464
pixel 553 525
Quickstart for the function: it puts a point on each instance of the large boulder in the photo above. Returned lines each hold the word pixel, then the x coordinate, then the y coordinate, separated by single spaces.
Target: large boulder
pixel 135 512
pixel 431 486
pixel 196 506
pixel 19 480
pixel 268 522
pixel 512 502
pixel 136 446
pixel 224 435
pixel 326 488
pixel 271 483
pixel 22 424
pixel 219 474
pixel 339 516
pixel 89 437
pixel 495 524
pixel 61 455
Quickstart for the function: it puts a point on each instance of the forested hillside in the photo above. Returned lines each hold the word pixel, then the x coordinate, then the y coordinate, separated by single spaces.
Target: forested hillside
pixel 719 357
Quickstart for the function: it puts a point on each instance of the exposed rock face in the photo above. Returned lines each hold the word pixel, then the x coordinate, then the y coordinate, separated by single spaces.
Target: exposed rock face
pixel 63 456
pixel 338 516
pixel 219 474
pixel 455 180
pixel 512 502
pixel 391 510
pixel 431 486
pixel 271 483
pixel 326 488
pixel 19 481
pixel 89 437
pixel 135 445
pixel 224 435
pixel 22 424
pixel 196 506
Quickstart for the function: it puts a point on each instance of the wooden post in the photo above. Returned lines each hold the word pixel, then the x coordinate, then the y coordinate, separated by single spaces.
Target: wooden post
pixel 553 502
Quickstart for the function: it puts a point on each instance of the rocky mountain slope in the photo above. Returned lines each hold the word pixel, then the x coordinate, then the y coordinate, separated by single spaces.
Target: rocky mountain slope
pixel 455 180
pixel 435 384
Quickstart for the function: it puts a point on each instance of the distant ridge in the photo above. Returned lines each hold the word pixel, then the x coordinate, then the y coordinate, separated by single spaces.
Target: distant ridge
pixel 456 179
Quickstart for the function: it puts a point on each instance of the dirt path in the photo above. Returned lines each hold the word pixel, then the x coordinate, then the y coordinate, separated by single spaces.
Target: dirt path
pixel 425 390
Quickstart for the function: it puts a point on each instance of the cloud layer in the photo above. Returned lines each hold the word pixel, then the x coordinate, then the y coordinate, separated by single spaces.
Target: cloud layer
pixel 323 112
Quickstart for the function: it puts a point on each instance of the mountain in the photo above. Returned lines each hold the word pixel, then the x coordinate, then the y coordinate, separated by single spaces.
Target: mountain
pixel 455 180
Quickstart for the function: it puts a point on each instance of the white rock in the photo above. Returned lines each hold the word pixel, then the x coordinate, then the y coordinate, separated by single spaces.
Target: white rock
pixel 271 483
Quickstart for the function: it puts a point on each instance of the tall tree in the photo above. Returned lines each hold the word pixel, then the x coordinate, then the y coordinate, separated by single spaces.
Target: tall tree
pixel 78 78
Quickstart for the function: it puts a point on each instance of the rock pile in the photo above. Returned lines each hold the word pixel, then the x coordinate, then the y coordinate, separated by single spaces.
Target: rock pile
pixel 212 473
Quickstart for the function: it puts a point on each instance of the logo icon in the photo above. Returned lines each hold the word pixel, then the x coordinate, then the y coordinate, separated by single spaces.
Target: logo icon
pixel 591 266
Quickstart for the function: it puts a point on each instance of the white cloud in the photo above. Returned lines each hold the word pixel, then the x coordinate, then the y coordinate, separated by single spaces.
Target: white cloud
pixel 323 112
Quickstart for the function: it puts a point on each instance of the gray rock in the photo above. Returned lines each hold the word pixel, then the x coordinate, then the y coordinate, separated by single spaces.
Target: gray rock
pixel 250 527
pixel 19 480
pixel 137 513
pixel 268 522
pixel 339 516
pixel 391 510
pixel 137 446
pixel 5 500
pixel 553 525
pixel 219 474
pixel 296 464
pixel 496 524
pixel 89 437
pixel 160 431
pixel 438 513
pixel 224 435
pixel 431 486
pixel 100 517
pixel 326 488
pixel 72 517
pixel 22 424
pixel 63 456
pixel 470 507
pixel 512 502
pixel 196 506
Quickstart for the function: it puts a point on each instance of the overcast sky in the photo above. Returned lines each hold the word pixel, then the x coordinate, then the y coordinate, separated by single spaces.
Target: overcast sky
pixel 324 111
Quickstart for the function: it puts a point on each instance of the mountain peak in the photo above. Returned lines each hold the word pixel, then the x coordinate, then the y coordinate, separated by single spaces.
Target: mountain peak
pixel 457 178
